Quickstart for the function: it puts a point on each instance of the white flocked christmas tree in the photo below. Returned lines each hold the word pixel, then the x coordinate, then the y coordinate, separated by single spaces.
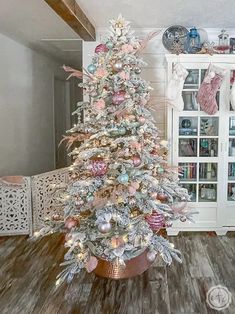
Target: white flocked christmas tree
pixel 121 191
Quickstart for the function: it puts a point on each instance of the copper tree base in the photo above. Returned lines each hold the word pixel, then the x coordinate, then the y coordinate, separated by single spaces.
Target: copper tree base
pixel 134 267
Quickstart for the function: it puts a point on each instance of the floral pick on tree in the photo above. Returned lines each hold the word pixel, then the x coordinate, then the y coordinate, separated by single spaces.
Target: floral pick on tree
pixel 121 191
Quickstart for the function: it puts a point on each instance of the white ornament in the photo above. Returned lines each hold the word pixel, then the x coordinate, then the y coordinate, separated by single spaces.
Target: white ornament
pixel 105 227
pixel 151 256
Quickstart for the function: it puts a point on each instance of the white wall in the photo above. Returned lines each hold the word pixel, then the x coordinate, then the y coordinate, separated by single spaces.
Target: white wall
pixel 26 110
pixel 155 71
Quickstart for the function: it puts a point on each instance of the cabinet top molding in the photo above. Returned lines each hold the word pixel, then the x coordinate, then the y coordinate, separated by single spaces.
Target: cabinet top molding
pixel 204 58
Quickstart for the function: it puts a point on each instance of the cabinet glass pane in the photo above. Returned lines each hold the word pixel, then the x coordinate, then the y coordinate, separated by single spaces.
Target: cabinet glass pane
pixel 188 126
pixel 231 171
pixel 232 126
pixel 231 150
pixel 208 147
pixel 188 171
pixel 190 101
pixel 209 126
pixel 192 80
pixel 232 80
pixel 208 171
pixel 187 147
pixel 192 190
pixel 207 193
pixel 231 192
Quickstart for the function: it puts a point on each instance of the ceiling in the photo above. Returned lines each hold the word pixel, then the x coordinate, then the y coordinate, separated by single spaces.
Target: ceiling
pixel 36 25
pixel 162 13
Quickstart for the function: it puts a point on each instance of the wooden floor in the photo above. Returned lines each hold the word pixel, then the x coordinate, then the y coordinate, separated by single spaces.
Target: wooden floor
pixel 28 271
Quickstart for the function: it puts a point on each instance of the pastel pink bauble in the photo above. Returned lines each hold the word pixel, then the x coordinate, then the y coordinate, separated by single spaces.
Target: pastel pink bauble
pixel 118 97
pixel 100 104
pixel 71 222
pixel 141 120
pixel 136 185
pixel 136 160
pixel 127 48
pixel 98 167
pixel 101 48
pixel 156 221
pixel 101 72
pixel 91 264
pixel 131 190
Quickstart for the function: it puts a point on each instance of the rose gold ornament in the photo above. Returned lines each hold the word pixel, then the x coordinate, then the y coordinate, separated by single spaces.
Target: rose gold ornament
pixel 117 241
pixel 162 197
pixel 101 48
pixel 115 270
pixel 98 167
pixel 71 222
pixel 155 220
pixel 118 97
pixel 117 66
pixel 136 160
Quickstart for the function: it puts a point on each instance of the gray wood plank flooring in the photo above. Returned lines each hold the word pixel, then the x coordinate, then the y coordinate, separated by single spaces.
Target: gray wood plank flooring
pixel 28 271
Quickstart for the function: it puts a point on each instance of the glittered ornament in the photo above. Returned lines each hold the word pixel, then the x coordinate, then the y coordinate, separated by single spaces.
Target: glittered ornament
pixel 118 97
pixel 117 66
pixel 91 68
pixel 162 197
pixel 117 241
pixel 109 45
pixel 156 221
pixel 71 222
pixel 160 170
pixel 137 70
pixel 151 256
pixel 141 120
pixel 101 48
pixel 136 160
pixel 90 197
pixel 98 167
pixel 122 131
pixel 123 178
pixel 114 132
pixel 104 227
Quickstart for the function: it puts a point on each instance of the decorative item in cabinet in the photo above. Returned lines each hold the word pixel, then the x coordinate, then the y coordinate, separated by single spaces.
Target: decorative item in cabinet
pixel 232 45
pixel 190 100
pixel 207 192
pixel 208 147
pixel 192 190
pixel 223 46
pixel 188 126
pixel 231 192
pixel 209 126
pixel 231 150
pixel 232 126
pixel 192 80
pixel 231 171
pixel 208 171
pixel 187 147
pixel 188 171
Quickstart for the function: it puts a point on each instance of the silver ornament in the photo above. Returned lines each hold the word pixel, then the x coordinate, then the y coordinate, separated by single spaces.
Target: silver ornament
pixel 137 70
pixel 151 255
pixel 117 66
pixel 105 227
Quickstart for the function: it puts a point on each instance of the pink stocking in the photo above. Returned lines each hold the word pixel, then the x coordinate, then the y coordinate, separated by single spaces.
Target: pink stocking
pixel 206 96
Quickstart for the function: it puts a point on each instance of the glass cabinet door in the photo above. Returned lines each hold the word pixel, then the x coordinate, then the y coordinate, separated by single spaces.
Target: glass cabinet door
pixel 198 143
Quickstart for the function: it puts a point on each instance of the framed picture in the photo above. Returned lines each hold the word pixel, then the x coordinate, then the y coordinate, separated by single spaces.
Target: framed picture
pixel 232 45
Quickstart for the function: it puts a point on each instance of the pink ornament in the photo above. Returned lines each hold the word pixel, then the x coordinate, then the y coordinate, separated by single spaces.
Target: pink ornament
pixel 100 104
pixel 117 241
pixel 136 185
pixel 136 160
pixel 141 120
pixel 101 72
pixel 71 222
pixel 101 48
pixel 91 264
pixel 98 167
pixel 131 190
pixel 127 48
pixel 118 97
pixel 124 76
pixel 156 221
pixel 135 145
